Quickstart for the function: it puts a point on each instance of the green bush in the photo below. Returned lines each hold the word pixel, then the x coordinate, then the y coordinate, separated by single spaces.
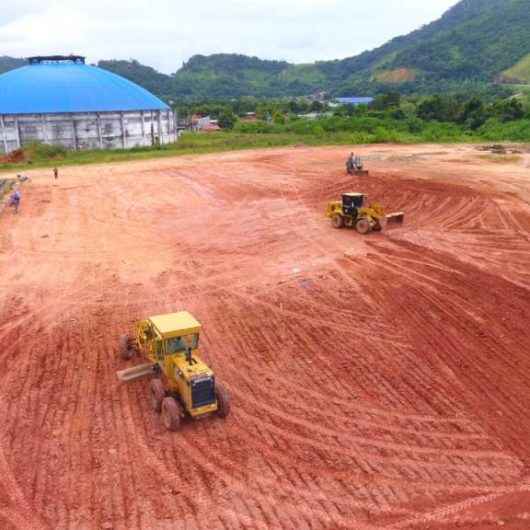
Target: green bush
pixel 40 151
pixel 227 119
pixel 258 127
pixel 498 131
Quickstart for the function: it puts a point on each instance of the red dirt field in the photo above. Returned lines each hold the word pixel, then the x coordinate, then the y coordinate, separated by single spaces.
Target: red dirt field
pixel 377 382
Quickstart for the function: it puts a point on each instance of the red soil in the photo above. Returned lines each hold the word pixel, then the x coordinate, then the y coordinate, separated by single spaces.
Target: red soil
pixel 377 382
pixel 399 75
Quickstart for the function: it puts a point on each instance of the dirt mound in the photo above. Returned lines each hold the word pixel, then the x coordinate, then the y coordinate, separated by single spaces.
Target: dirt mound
pixel 14 157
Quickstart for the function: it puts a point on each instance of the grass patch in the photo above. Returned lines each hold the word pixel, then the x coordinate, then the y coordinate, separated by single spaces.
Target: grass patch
pixel 327 131
pixel 520 71
pixel 193 144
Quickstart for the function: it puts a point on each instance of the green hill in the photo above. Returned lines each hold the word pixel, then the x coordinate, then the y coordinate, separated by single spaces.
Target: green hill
pixel 145 76
pixel 228 75
pixel 474 44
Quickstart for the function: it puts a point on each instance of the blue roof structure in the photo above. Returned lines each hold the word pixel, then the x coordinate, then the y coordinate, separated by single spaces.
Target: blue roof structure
pixel 354 101
pixel 66 85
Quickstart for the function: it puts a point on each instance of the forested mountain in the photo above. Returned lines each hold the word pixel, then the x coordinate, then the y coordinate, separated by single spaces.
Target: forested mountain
pixel 475 41
pixel 149 78
pixel 233 75
pixel 474 44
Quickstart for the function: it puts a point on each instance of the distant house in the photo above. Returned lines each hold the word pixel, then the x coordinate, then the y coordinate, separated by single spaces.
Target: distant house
pixel 213 126
pixel 354 101
pixel 198 122
pixel 315 115
pixel 249 117
pixel 201 123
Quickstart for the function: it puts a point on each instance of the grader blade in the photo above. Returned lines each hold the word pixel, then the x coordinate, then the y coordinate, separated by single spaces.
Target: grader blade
pixel 395 218
pixel 136 372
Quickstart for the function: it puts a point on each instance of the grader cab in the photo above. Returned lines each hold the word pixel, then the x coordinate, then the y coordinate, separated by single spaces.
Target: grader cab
pixel 351 212
pixel 182 384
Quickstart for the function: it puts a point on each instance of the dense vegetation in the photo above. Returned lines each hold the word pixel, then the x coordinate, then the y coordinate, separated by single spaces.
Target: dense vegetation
pixel 465 110
pixel 396 119
pixel 145 76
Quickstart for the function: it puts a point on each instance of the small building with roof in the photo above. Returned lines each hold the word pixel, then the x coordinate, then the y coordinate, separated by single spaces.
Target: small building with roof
pixel 355 101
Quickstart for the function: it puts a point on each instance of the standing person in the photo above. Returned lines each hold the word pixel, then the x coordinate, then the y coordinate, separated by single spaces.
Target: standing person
pixel 14 200
pixel 55 173
pixel 350 164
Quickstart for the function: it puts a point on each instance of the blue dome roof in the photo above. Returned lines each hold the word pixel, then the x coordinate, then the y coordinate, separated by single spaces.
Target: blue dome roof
pixel 50 87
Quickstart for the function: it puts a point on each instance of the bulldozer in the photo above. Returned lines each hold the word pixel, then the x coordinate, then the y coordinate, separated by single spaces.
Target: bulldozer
pixel 351 212
pixel 182 385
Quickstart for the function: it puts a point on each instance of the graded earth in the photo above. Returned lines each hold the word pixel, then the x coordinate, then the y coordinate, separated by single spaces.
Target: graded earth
pixel 377 382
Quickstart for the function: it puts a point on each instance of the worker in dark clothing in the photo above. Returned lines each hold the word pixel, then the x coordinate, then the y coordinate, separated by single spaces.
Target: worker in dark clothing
pixel 350 164
pixel 14 200
pixel 55 173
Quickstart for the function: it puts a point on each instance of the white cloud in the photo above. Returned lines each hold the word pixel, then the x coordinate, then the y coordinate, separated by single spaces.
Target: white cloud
pixel 164 33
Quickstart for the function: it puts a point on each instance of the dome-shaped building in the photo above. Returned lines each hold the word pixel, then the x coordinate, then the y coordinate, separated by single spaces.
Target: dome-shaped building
pixel 61 100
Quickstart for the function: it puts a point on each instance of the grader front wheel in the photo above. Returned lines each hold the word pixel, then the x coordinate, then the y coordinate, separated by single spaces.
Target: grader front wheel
pixel 223 401
pixel 157 394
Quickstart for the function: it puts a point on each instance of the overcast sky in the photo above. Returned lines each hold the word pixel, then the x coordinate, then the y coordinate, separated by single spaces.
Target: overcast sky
pixel 164 33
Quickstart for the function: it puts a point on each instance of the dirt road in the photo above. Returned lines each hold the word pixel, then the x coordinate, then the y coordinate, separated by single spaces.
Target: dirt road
pixel 377 382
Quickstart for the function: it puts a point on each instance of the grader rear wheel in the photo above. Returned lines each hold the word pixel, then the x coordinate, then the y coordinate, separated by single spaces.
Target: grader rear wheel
pixel 171 414
pixel 223 400
pixel 126 352
pixel 363 226
pixel 337 221
pixel 157 394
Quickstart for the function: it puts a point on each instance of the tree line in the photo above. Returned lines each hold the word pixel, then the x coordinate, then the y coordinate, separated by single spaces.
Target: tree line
pixel 470 113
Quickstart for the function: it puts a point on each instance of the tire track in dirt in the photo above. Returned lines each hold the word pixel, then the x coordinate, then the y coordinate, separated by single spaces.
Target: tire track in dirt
pixel 357 393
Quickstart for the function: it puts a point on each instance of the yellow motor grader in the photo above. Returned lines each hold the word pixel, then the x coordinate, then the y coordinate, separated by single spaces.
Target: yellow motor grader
pixel 351 213
pixel 182 384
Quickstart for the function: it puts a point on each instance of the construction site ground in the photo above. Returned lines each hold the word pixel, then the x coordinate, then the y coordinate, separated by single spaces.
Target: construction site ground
pixel 377 382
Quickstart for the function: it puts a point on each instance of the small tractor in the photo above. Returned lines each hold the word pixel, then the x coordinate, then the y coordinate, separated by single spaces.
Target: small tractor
pixel 182 384
pixel 354 166
pixel 351 213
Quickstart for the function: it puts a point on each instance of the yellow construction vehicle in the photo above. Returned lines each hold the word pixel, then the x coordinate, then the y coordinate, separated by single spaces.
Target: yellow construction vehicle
pixel 182 385
pixel 351 213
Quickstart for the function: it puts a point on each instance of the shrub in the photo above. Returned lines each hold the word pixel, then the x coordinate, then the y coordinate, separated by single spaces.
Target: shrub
pixel 40 151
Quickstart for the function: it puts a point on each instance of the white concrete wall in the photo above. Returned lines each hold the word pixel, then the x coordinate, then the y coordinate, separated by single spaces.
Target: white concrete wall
pixel 106 130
